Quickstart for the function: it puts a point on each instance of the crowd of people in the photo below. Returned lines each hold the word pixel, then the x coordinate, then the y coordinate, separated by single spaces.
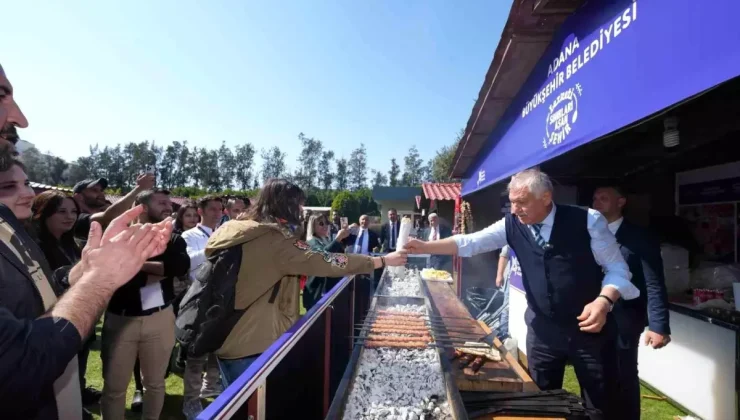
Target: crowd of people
pixel 67 260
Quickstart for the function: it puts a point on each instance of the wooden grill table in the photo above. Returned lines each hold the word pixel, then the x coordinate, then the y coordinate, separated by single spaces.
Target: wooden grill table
pixel 504 376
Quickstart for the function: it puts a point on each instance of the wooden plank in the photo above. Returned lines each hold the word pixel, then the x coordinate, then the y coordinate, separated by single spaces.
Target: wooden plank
pixel 507 375
pixel 492 376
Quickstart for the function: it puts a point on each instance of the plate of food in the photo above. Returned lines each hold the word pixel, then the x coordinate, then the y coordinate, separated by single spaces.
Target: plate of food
pixel 431 274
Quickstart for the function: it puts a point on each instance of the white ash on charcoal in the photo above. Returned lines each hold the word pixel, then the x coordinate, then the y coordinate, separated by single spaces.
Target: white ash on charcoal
pixel 407 285
pixel 411 309
pixel 398 384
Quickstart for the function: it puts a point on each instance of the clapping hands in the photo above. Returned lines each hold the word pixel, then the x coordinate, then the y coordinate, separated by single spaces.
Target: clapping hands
pixel 120 252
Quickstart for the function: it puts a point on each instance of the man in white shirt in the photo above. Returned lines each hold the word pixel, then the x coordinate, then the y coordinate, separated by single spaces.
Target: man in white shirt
pixel 572 271
pixel 435 232
pixel 196 386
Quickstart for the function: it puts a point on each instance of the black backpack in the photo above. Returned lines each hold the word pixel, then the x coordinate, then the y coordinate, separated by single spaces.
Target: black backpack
pixel 207 314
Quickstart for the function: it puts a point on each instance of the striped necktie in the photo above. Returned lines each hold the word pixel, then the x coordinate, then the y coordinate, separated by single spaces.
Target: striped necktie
pixel 537 236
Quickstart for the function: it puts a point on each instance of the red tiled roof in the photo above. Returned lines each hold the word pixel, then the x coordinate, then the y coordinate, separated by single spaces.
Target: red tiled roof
pixel 446 191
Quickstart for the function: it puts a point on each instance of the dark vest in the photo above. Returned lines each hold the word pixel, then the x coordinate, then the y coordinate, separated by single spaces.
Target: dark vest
pixel 563 277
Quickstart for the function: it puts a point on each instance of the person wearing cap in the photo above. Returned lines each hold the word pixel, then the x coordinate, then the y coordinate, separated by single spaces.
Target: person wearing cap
pixel 90 197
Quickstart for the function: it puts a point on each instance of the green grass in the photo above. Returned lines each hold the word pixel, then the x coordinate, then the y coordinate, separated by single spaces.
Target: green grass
pixel 173 401
pixel 649 409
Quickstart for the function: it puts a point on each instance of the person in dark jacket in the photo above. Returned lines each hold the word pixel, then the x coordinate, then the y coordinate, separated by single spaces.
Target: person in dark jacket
pixel 389 231
pixel 641 250
pixel 319 238
pixel 35 320
pixel 54 217
pixel 434 232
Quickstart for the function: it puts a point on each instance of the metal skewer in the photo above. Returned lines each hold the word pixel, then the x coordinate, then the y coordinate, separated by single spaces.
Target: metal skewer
pixel 416 315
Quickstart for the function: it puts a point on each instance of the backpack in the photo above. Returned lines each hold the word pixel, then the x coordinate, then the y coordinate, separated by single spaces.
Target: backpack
pixel 207 314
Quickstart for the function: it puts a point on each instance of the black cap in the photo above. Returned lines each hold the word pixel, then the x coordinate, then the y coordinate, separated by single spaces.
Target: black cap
pixel 89 183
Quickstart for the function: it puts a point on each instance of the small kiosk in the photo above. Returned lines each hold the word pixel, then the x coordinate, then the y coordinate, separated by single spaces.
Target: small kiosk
pixel 643 94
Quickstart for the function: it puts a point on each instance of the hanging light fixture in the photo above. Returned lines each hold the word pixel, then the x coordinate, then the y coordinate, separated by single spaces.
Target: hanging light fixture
pixel 671 136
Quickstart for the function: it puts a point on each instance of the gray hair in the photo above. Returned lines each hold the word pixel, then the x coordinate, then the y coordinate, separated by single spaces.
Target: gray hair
pixel 432 215
pixel 534 180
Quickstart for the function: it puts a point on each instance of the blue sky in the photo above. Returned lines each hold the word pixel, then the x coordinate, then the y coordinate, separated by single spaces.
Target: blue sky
pixel 391 74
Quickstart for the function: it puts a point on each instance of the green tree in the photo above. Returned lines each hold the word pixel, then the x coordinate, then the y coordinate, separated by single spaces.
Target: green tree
pixel 226 165
pixel 357 166
pixel 441 164
pixel 244 165
pixel 326 177
pixel 168 167
pixel 393 174
pixel 307 174
pixel 365 202
pixel 273 163
pixel 379 178
pixel 413 166
pixel 342 176
pixel 183 172
pixel 55 170
pixel 36 168
pixel 346 205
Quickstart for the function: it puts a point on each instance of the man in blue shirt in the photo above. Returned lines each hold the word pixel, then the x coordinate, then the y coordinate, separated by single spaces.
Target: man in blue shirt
pixel 572 272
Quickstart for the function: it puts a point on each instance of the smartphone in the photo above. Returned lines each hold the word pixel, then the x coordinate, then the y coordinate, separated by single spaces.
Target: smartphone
pixel 150 170
pixel 344 222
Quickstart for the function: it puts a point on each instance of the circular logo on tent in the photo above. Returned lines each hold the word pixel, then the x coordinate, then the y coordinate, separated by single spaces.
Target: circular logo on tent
pixel 561 115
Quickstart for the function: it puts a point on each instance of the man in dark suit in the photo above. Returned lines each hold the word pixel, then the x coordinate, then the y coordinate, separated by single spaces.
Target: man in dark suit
pixel 642 252
pixel 363 242
pixel 572 272
pixel 435 232
pixel 389 231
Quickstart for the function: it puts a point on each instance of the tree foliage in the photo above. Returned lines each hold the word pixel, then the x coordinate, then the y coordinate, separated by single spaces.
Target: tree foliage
pixel 326 177
pixel 357 166
pixel 307 173
pixel 413 167
pixel 353 204
pixel 441 164
pixel 379 179
pixel 393 174
pixel 342 176
pixel 273 164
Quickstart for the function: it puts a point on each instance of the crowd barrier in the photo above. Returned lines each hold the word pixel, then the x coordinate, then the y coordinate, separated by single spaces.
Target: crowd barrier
pixel 298 375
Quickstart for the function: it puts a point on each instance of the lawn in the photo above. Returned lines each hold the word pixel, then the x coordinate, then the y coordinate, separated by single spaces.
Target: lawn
pixel 649 409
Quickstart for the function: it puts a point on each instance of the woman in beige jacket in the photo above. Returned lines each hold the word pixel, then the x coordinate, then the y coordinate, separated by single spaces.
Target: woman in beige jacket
pixel 267 242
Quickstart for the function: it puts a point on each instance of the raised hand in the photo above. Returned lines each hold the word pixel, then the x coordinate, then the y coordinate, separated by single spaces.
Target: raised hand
pixel 146 181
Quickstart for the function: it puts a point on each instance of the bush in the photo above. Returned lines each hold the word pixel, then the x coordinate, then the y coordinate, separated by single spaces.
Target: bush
pixel 354 204
pixel 346 205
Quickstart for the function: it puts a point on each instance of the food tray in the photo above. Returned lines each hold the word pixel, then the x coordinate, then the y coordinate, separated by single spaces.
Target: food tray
pixel 424 276
pixel 341 397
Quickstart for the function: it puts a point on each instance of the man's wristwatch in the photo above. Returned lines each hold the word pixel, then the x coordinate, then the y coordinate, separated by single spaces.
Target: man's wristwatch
pixel 611 302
